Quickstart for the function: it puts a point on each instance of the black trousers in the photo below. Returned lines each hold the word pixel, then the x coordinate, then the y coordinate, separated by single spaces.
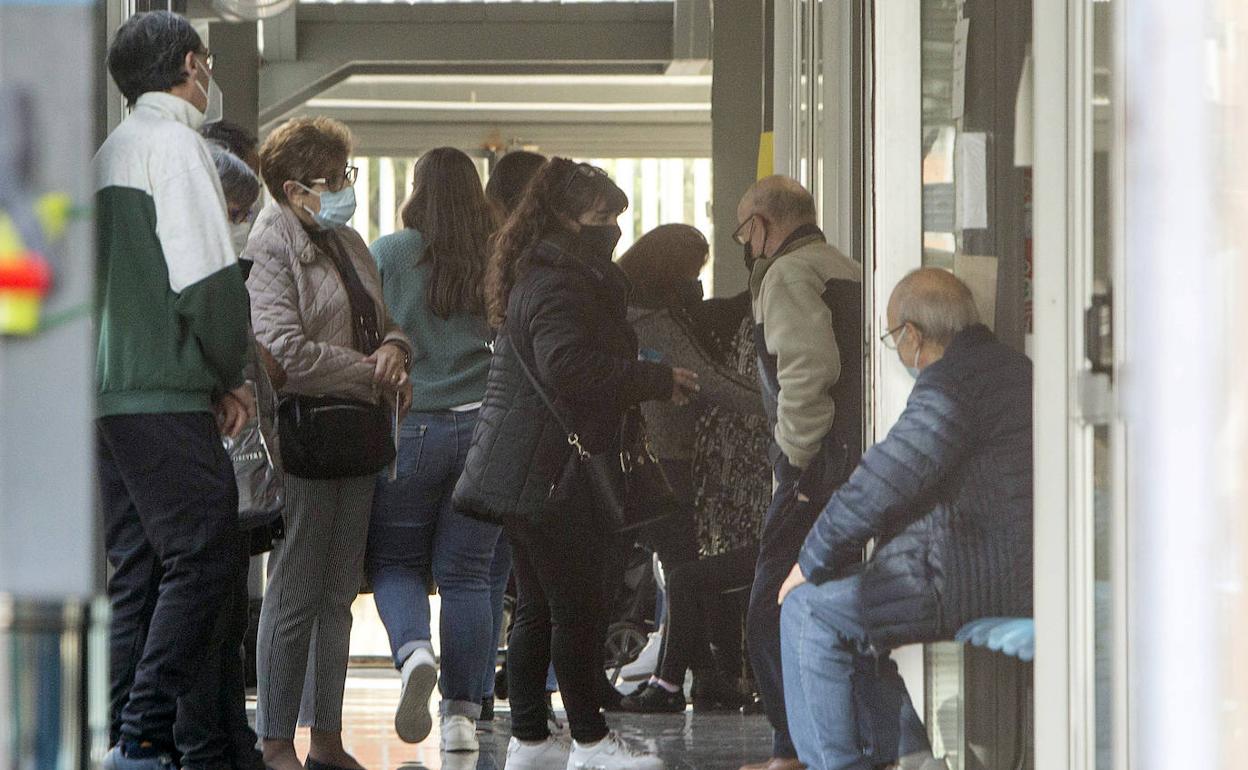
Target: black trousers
pixel 560 617
pixel 212 730
pixel 695 610
pixel 787 522
pixel 171 535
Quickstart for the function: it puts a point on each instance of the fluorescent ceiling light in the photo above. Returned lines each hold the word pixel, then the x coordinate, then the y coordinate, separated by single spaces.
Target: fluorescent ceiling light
pixel 551 80
pixel 411 104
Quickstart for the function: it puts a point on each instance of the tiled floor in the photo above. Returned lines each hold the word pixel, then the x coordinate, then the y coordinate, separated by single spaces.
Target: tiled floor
pixel 701 741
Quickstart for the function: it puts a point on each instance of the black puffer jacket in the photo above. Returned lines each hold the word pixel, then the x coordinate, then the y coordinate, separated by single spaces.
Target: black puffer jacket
pixel 567 317
pixel 949 495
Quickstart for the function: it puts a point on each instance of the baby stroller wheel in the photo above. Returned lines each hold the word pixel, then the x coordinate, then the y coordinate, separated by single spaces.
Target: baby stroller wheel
pixel 625 641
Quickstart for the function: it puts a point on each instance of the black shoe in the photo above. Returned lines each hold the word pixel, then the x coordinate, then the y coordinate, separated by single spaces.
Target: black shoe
pixel 655 700
pixel 752 705
pixel 316 764
pixel 717 693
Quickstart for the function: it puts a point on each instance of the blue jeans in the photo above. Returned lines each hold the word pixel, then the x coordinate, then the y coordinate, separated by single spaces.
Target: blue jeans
pixel 416 537
pixel 848 708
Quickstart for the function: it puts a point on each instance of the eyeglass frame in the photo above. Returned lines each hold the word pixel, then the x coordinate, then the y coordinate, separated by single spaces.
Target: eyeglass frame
pixel 241 216
pixel 887 337
pixel 208 57
pixel 736 234
pixel 349 176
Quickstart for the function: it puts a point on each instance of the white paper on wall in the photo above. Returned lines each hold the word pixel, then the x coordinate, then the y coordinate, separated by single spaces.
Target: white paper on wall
pixel 980 275
pixel 970 162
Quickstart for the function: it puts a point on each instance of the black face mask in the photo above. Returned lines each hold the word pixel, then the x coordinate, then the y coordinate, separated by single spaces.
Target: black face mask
pixel 689 293
pixel 599 240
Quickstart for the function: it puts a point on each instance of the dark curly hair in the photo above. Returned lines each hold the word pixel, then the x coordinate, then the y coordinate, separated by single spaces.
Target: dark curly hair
pixel 561 190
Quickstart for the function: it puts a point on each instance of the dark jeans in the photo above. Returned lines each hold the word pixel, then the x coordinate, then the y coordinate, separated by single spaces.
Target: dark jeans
pixel 212 729
pixel 695 600
pixel 560 617
pixel 171 535
pixel 785 526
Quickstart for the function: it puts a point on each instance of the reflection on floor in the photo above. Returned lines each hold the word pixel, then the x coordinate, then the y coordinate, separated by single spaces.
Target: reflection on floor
pixel 701 741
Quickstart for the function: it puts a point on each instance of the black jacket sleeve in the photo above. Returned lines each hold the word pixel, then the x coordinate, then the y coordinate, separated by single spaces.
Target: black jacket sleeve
pixel 570 360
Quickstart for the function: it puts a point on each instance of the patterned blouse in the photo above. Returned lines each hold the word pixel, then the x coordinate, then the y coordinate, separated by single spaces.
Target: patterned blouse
pixel 731 477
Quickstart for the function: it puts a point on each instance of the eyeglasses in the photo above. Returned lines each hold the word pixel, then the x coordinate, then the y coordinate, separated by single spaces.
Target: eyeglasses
pixel 338 181
pixel 891 342
pixel 209 59
pixel 240 215
pixel 583 171
pixel 740 237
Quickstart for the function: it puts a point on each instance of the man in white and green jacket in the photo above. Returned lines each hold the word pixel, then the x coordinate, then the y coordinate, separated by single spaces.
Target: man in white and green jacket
pixel 172 322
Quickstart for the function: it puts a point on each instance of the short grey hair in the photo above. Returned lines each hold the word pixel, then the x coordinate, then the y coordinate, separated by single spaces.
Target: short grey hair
pixel 936 302
pixel 238 181
pixel 783 200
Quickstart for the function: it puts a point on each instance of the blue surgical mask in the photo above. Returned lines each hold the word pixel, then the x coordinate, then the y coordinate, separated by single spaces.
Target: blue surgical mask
pixel 337 207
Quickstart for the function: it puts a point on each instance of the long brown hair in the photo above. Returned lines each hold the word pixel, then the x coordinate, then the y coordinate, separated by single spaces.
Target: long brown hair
pixel 448 208
pixel 561 189
pixel 661 260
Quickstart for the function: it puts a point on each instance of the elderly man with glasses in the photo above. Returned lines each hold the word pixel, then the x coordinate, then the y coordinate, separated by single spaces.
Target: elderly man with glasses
pixel 947 498
pixel 807 302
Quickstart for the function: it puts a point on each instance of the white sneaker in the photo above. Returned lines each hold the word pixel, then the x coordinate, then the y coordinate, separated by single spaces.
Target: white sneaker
pixel 611 753
pixel 459 733
pixel 420 675
pixel 647 661
pixel 547 755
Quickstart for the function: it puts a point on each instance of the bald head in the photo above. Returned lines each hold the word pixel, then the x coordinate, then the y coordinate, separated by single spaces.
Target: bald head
pixel 780 200
pixel 936 302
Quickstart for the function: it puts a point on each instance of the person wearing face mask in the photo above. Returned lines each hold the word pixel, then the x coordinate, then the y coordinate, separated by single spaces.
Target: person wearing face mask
pixel 676 325
pixel 560 306
pixel 807 303
pixel 173 343
pixel 317 305
pixel 947 496
pixel 212 730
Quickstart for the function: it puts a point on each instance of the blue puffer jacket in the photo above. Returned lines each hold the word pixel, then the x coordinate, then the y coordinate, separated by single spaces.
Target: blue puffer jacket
pixel 948 495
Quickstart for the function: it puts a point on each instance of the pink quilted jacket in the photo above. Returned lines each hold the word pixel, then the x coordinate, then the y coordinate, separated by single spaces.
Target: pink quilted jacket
pixel 300 310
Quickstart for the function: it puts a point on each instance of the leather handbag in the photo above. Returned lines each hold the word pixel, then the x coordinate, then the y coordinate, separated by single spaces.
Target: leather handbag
pixel 327 437
pixel 628 485
pixel 324 437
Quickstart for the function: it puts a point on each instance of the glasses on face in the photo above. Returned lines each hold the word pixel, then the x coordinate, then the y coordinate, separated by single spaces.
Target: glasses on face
pixel 338 181
pixel 207 56
pixel 890 341
pixel 740 237
pixel 239 216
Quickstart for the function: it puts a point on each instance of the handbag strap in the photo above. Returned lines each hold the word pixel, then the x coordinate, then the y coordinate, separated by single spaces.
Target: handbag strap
pixel 564 423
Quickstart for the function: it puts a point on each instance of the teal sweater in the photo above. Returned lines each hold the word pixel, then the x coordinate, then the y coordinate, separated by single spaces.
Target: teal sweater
pixel 451 357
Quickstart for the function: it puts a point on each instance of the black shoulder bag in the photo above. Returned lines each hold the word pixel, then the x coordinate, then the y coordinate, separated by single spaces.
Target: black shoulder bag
pixel 326 437
pixel 629 487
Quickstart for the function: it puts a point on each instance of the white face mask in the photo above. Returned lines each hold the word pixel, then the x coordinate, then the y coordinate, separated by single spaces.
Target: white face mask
pixel 238 236
pixel 215 111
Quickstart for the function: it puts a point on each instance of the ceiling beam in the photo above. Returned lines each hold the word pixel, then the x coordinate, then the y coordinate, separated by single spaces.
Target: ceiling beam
pixel 336 41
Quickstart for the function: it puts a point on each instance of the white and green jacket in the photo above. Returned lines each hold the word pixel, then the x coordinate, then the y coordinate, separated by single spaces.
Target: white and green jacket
pixel 171 303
